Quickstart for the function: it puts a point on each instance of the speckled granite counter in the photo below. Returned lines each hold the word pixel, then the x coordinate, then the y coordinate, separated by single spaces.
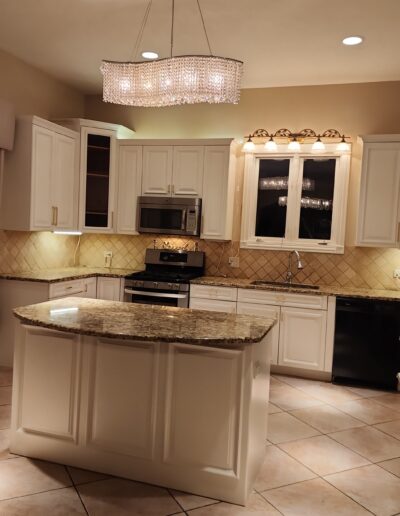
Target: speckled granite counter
pixel 144 322
pixel 385 295
pixel 65 274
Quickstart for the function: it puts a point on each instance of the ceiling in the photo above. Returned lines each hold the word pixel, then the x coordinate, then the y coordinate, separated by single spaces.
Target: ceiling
pixel 282 42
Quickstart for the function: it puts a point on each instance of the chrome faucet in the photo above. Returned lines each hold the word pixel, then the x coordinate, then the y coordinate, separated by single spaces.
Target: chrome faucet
pixel 289 273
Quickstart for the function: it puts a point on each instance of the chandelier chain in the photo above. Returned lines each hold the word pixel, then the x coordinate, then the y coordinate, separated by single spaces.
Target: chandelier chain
pixel 172 27
pixel 141 30
pixel 204 27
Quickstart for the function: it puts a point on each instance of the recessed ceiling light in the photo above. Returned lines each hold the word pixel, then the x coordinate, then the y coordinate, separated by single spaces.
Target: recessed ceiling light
pixel 149 55
pixel 352 40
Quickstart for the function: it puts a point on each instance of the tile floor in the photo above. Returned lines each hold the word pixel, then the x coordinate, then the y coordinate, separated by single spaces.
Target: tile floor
pixel 331 451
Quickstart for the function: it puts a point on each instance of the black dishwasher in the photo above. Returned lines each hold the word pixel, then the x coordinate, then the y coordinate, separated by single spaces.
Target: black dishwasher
pixel 367 345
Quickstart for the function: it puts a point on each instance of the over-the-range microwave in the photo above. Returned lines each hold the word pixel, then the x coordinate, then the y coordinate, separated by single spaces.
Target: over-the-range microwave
pixel 170 215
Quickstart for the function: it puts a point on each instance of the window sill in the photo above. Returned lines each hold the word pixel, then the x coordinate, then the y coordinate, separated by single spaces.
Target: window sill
pixel 313 247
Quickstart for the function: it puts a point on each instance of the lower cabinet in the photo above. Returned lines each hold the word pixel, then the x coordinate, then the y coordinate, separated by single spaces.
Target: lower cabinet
pixel 109 289
pixel 85 287
pixel 213 305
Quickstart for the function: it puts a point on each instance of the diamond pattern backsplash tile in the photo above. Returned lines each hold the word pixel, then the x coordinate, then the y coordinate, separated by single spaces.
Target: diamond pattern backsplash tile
pixel 358 267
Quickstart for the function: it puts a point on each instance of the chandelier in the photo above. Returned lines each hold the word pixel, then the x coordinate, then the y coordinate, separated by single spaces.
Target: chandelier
pixel 187 79
pixel 295 139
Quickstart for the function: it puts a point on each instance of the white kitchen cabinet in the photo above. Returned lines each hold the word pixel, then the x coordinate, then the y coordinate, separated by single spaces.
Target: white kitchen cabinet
pixel 187 171
pixel 40 189
pixel 109 288
pixel 157 170
pixel 83 287
pixel 213 305
pixel 129 187
pixel 267 311
pixel 379 203
pixel 214 299
pixel 302 337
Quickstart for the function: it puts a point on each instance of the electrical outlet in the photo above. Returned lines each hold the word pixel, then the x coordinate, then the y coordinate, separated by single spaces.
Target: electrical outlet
pixel 107 258
pixel 396 273
pixel 234 261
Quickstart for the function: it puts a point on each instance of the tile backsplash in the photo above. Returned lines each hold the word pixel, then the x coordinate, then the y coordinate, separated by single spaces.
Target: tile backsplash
pixel 358 267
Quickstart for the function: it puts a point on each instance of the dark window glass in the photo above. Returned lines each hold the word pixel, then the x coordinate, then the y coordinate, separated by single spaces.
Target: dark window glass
pixel 98 180
pixel 272 197
pixel 317 198
pixel 151 218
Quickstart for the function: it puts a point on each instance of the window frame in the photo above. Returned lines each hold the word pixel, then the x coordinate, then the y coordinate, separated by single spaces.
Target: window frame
pixel 291 240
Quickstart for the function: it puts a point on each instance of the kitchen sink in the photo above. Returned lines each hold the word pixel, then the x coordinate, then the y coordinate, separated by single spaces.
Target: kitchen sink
pixel 285 284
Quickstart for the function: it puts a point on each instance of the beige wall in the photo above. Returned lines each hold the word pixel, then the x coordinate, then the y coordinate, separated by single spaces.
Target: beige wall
pixel 34 93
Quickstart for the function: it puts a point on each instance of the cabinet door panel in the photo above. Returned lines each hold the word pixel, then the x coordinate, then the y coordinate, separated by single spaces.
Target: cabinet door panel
pixel 213 305
pixel 267 311
pixel 64 182
pixel 122 415
pixel 302 338
pixel 157 170
pixel 129 187
pixel 48 393
pixel 215 192
pixel 42 168
pixel 108 288
pixel 203 406
pixel 187 174
pixel 379 195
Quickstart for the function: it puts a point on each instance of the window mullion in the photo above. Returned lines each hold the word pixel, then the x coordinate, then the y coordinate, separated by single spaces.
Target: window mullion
pixel 293 205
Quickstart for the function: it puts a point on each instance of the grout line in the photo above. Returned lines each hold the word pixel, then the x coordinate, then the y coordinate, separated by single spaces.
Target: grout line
pixel 176 500
pixel 33 494
pixel 76 490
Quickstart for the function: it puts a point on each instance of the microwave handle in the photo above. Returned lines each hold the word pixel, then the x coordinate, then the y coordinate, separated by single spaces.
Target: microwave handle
pixel 155 294
pixel 183 223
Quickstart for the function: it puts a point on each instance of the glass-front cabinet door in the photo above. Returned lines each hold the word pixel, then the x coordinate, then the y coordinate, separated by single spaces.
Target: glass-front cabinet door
pixel 295 201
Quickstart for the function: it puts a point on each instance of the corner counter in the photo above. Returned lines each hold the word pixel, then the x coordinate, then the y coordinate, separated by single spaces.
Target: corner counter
pixel 170 396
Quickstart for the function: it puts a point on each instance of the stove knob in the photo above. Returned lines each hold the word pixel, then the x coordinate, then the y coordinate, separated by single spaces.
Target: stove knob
pixel 155 284
pixel 170 285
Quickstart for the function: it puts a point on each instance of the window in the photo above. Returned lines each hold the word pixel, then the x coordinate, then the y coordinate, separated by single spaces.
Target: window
pixel 295 201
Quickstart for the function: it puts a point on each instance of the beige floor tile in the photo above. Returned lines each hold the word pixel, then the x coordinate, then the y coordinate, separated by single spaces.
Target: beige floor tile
pixel 367 393
pixel 392 428
pixel 274 381
pixel 288 398
pixel 392 465
pixel 5 445
pixel 20 477
pixel 256 505
pixel 326 418
pixel 323 455
pixel 273 409
pixel 5 395
pixel 372 487
pixel 61 502
pixel 5 416
pixel 313 498
pixel 124 498
pixel 298 382
pixel 190 501
pixel 369 411
pixel 390 400
pixel 279 469
pixel 5 376
pixel 330 393
pixel 369 442
pixel 83 476
pixel 284 427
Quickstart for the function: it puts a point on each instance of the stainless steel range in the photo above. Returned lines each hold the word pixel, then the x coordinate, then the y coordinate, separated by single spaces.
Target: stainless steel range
pixel 166 279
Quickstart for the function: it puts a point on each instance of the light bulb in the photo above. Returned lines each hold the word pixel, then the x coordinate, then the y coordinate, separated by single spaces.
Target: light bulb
pixel 318 146
pixel 249 145
pixel 294 145
pixel 343 146
pixel 352 40
pixel 271 145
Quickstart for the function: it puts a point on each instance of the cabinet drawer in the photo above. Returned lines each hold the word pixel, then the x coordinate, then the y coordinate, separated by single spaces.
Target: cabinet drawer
pixel 209 292
pixel 82 287
pixel 269 297
pixel 213 305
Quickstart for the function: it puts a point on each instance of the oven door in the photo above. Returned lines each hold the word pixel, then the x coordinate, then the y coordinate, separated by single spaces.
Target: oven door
pixel 170 219
pixel 156 297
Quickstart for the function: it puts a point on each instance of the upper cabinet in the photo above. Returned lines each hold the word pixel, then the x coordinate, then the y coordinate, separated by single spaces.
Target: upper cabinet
pixel 40 189
pixel 98 173
pixel 379 205
pixel 157 170
pixel 130 158
pixel 295 200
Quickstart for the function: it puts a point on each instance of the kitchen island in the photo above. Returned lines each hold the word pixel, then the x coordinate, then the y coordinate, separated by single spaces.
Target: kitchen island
pixel 170 396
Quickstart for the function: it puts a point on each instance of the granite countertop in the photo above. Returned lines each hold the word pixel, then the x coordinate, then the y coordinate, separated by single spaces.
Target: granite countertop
pixel 65 274
pixel 379 294
pixel 145 322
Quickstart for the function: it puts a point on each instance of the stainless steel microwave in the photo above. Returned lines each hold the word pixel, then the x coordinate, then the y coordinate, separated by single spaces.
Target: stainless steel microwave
pixel 170 215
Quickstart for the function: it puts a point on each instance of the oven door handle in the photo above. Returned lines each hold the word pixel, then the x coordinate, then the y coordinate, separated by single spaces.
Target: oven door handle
pixel 155 294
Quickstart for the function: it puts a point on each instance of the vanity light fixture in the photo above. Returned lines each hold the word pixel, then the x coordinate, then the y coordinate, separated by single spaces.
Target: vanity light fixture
pixel 173 80
pixel 293 140
pixel 352 40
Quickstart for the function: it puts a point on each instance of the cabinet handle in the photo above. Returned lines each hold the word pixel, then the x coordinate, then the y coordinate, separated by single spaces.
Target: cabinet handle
pixel 53 216
pixel 56 210
pixel 169 189
pixel 172 189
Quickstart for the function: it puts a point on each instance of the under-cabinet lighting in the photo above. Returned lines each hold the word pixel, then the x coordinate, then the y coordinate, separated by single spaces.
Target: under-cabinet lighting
pixel 74 233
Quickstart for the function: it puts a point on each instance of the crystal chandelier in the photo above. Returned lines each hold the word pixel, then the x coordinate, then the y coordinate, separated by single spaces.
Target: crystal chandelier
pixel 175 80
